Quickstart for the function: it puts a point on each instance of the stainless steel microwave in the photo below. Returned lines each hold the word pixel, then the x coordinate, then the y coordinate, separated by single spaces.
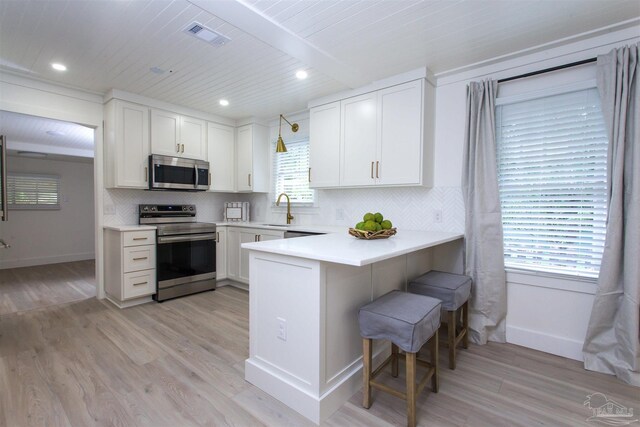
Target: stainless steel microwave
pixel 177 173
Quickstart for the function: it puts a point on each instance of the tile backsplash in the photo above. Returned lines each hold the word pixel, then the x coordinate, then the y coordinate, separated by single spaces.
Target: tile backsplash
pixel 411 208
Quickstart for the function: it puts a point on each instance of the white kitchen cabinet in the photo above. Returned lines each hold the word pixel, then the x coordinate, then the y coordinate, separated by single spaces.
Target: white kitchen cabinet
pixel 221 253
pixel 126 142
pixel 221 151
pixel 238 258
pixel 324 143
pixel 179 136
pixel 386 138
pixel 130 266
pixel 252 159
pixel 358 139
pixel 399 156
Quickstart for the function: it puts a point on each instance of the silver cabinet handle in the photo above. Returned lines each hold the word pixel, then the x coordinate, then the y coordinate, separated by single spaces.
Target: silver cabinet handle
pixel 182 151
pixel 371 170
pixel 309 174
pixel 140 258
pixel 178 148
pixel 140 283
pixel 140 238
pixel 249 180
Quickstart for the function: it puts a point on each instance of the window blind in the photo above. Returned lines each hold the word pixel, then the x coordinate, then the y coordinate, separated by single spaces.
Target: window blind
pixel 291 173
pixel 33 191
pixel 552 171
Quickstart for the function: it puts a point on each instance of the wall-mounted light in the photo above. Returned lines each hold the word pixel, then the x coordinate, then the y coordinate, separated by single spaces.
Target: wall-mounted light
pixel 280 147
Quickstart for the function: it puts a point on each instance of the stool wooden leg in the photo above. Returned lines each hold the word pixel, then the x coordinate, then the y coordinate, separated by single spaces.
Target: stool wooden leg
pixel 366 371
pixel 451 329
pixel 465 324
pixel 394 360
pixel 435 381
pixel 411 389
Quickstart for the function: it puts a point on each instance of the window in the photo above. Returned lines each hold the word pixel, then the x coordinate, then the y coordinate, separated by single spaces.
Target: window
pixel 33 191
pixel 552 160
pixel 291 173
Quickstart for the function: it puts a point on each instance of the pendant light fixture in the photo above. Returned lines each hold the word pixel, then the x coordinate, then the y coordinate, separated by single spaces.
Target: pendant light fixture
pixel 280 147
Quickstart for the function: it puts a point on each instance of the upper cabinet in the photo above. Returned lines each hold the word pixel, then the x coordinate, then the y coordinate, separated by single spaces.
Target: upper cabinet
pixel 221 150
pixel 252 159
pixel 324 143
pixel 385 138
pixel 179 136
pixel 126 127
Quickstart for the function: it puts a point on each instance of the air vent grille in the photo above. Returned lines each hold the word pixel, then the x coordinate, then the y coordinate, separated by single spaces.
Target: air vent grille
pixel 205 34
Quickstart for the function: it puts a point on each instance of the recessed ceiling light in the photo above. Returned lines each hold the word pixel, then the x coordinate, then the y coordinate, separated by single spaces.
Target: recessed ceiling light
pixel 59 67
pixel 302 74
pixel 55 133
pixel 224 102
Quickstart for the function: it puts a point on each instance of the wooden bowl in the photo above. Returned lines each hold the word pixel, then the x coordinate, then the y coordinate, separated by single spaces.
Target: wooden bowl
pixel 371 235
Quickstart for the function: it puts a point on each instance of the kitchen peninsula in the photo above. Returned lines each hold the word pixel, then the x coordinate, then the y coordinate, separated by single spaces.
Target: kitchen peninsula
pixel 305 345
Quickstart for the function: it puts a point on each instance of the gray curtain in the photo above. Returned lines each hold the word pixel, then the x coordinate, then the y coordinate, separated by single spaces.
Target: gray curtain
pixel 611 344
pixel 483 227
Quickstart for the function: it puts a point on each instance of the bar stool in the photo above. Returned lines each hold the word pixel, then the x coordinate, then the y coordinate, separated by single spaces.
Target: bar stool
pixel 408 321
pixel 454 291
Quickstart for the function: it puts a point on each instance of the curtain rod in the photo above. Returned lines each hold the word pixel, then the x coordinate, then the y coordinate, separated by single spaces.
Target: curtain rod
pixel 548 70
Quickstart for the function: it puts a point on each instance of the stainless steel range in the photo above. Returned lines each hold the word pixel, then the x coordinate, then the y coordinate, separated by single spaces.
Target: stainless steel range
pixel 185 250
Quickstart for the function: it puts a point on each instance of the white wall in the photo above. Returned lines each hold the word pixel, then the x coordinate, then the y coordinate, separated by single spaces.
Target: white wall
pixel 545 312
pixel 51 236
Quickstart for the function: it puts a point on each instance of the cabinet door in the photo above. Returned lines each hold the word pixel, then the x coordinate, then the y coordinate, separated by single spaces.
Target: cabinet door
pixel 359 132
pixel 221 145
pixel 221 253
pixel 193 134
pixel 165 133
pixel 246 235
pixel 324 143
pixel 265 235
pixel 233 253
pixel 244 164
pixel 131 145
pixel 399 153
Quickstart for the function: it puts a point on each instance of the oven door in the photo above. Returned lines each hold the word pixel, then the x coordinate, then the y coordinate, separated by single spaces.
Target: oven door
pixel 174 173
pixel 185 258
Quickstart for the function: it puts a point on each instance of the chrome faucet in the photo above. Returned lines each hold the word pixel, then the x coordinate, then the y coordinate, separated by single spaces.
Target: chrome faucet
pixel 289 216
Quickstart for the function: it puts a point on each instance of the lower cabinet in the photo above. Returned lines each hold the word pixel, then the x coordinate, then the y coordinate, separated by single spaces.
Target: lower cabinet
pixel 238 258
pixel 221 253
pixel 130 266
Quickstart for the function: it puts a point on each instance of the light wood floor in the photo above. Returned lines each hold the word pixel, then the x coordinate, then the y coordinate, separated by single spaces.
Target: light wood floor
pixel 30 288
pixel 180 363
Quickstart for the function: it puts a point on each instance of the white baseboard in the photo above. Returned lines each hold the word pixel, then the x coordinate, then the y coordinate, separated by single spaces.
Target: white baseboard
pixel 553 344
pixel 56 259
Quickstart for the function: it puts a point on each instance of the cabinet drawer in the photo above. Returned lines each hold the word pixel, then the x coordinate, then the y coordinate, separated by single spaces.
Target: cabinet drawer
pixel 137 238
pixel 136 258
pixel 139 284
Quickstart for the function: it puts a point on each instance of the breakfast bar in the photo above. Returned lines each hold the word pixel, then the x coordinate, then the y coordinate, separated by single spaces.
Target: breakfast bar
pixel 305 346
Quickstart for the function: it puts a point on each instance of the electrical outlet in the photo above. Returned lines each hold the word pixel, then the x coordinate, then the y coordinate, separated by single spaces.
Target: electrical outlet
pixel 109 209
pixel 437 215
pixel 282 328
pixel 339 214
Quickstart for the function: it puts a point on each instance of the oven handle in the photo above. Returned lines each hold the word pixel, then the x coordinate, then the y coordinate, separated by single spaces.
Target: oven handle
pixel 187 238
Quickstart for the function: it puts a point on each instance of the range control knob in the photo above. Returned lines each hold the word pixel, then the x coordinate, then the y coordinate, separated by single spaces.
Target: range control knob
pixel 145 208
pixel 153 208
pixel 184 208
pixel 191 208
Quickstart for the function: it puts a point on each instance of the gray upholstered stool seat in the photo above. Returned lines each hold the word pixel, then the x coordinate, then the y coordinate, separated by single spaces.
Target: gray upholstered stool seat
pixel 408 321
pixel 454 291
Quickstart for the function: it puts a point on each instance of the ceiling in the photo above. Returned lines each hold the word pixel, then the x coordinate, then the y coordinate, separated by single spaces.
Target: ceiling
pixel 341 43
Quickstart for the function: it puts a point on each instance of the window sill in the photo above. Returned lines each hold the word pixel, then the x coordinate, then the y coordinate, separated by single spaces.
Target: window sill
pixel 556 281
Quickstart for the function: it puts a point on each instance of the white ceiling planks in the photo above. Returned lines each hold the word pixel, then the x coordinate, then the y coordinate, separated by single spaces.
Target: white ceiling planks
pixel 342 43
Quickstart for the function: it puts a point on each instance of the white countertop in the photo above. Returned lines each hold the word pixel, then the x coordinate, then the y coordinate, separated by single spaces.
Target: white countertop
pixel 129 227
pixel 342 248
pixel 290 227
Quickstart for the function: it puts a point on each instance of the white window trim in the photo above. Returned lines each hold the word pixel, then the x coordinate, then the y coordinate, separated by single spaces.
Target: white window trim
pixel 310 208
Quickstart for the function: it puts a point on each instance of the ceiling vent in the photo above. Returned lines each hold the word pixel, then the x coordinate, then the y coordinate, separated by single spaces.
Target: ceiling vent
pixel 206 34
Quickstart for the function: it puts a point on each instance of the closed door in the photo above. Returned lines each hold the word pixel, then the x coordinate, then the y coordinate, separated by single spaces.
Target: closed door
pixel 324 143
pixel 193 134
pixel 399 151
pixel 359 132
pixel 165 133
pixel 244 165
pixel 246 236
pixel 221 144
pixel 221 254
